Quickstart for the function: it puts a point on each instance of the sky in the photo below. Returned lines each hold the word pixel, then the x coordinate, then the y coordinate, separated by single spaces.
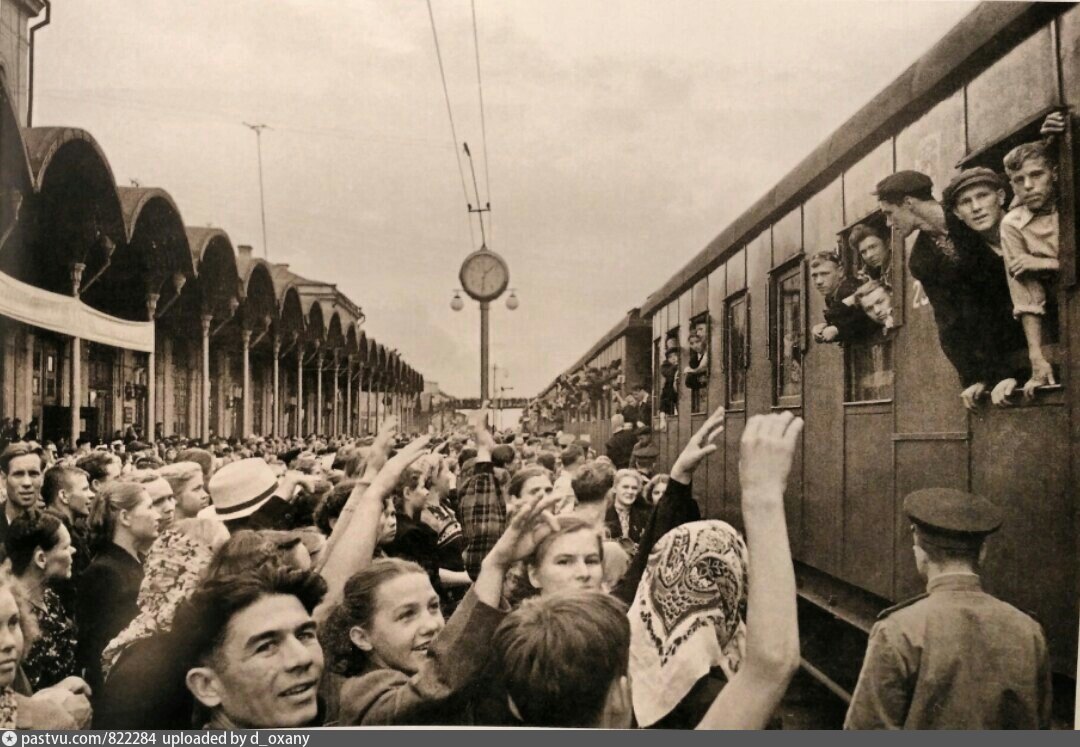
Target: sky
pixel 621 137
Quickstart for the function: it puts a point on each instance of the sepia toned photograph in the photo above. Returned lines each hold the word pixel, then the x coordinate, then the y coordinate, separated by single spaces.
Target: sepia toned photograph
pixel 538 364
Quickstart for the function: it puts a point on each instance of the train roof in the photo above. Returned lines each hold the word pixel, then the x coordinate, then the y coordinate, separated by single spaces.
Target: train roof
pixel 972 45
pixel 979 39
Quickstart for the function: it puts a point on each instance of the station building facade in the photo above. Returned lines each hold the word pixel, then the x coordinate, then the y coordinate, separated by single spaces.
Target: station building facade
pixel 114 313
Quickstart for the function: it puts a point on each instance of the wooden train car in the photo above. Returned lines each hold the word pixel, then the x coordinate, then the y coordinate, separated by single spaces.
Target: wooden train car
pixel 884 417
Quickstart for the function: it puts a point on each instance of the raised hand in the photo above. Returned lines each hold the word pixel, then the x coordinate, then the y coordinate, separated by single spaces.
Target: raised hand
pixel 766 454
pixel 527 524
pixel 700 446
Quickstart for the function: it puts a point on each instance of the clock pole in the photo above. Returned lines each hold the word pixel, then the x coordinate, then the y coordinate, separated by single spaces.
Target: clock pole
pixel 484 309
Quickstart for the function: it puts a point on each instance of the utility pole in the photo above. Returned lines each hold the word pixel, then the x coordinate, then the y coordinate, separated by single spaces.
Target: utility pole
pixel 257 129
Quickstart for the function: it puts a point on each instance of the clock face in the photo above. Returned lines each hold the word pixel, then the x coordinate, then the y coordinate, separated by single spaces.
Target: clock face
pixel 484 275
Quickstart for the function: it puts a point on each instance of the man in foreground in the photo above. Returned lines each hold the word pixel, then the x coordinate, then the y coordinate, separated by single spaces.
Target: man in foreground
pixel 954 657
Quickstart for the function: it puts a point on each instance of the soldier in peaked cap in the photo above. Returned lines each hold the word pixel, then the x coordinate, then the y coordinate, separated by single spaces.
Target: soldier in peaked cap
pixel 954 657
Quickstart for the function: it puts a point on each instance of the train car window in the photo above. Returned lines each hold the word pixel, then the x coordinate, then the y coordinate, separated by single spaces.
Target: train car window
pixel 871 266
pixel 670 369
pixel 698 359
pixel 737 347
pixel 1034 237
pixel 869 368
pixel 788 343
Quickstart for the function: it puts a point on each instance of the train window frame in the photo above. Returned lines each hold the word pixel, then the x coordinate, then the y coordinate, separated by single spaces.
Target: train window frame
pixel 699 396
pixel 730 369
pixel 795 267
pixel 853 349
pixel 853 264
pixel 671 334
pixel 991 156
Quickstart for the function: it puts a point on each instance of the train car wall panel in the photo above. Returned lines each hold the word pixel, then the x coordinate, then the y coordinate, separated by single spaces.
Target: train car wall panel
pixel 682 434
pixel 823 215
pixel 938 460
pixel 1019 460
pixel 717 461
pixel 1026 78
pixel 1068 26
pixel 860 180
pixel 927 387
pixel 759 374
pixel 733 430
pixel 787 237
pixel 868 498
pixel 934 143
pixel 823 395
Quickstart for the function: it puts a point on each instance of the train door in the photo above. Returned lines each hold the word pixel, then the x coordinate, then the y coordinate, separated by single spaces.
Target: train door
pixel 869 497
pixel 823 382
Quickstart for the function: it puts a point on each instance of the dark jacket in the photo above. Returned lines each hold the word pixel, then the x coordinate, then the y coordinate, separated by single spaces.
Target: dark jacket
pixel 620 446
pixel 145 688
pixel 640 511
pixel 107 601
pixel 439 693
pixel 851 322
pixel 964 280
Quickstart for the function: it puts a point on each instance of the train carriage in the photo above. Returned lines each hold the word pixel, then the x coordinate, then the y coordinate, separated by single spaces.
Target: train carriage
pixel 883 416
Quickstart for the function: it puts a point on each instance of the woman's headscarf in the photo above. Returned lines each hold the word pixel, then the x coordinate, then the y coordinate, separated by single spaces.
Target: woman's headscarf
pixel 688 615
pixel 172 571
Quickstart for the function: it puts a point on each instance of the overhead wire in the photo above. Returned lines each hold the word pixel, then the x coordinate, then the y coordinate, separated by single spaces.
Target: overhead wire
pixel 483 121
pixel 450 114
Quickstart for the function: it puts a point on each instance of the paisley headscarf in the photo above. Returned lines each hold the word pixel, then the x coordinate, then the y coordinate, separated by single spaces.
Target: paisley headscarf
pixel 172 571
pixel 688 615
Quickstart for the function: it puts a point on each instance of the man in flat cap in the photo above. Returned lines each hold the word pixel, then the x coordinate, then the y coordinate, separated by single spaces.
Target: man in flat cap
pixel 954 267
pixel 977 197
pixel 954 657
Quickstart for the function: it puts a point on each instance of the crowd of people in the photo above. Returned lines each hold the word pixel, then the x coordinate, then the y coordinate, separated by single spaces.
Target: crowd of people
pixel 984 257
pixel 469 577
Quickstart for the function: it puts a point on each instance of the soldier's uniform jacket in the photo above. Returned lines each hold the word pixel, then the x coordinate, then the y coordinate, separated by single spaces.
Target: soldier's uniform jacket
pixel 953 658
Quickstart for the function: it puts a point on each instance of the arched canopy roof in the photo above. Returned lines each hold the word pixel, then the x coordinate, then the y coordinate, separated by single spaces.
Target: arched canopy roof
pixel 352 346
pixel 260 307
pixel 155 250
pixel 316 319
pixel 74 215
pixel 292 314
pixel 335 335
pixel 45 144
pixel 215 262
pixel 15 164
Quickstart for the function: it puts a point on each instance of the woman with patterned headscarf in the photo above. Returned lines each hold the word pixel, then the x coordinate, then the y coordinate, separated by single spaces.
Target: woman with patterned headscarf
pixel 687 623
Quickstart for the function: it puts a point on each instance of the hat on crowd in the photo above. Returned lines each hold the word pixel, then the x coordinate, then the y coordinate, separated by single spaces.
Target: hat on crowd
pixel 969 178
pixel 565 439
pixel 647 450
pixel 903 183
pixel 951 518
pixel 241 488
pixel 138 446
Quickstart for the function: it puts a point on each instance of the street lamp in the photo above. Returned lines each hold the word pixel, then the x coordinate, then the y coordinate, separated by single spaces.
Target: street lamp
pixel 456 303
pixel 512 301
